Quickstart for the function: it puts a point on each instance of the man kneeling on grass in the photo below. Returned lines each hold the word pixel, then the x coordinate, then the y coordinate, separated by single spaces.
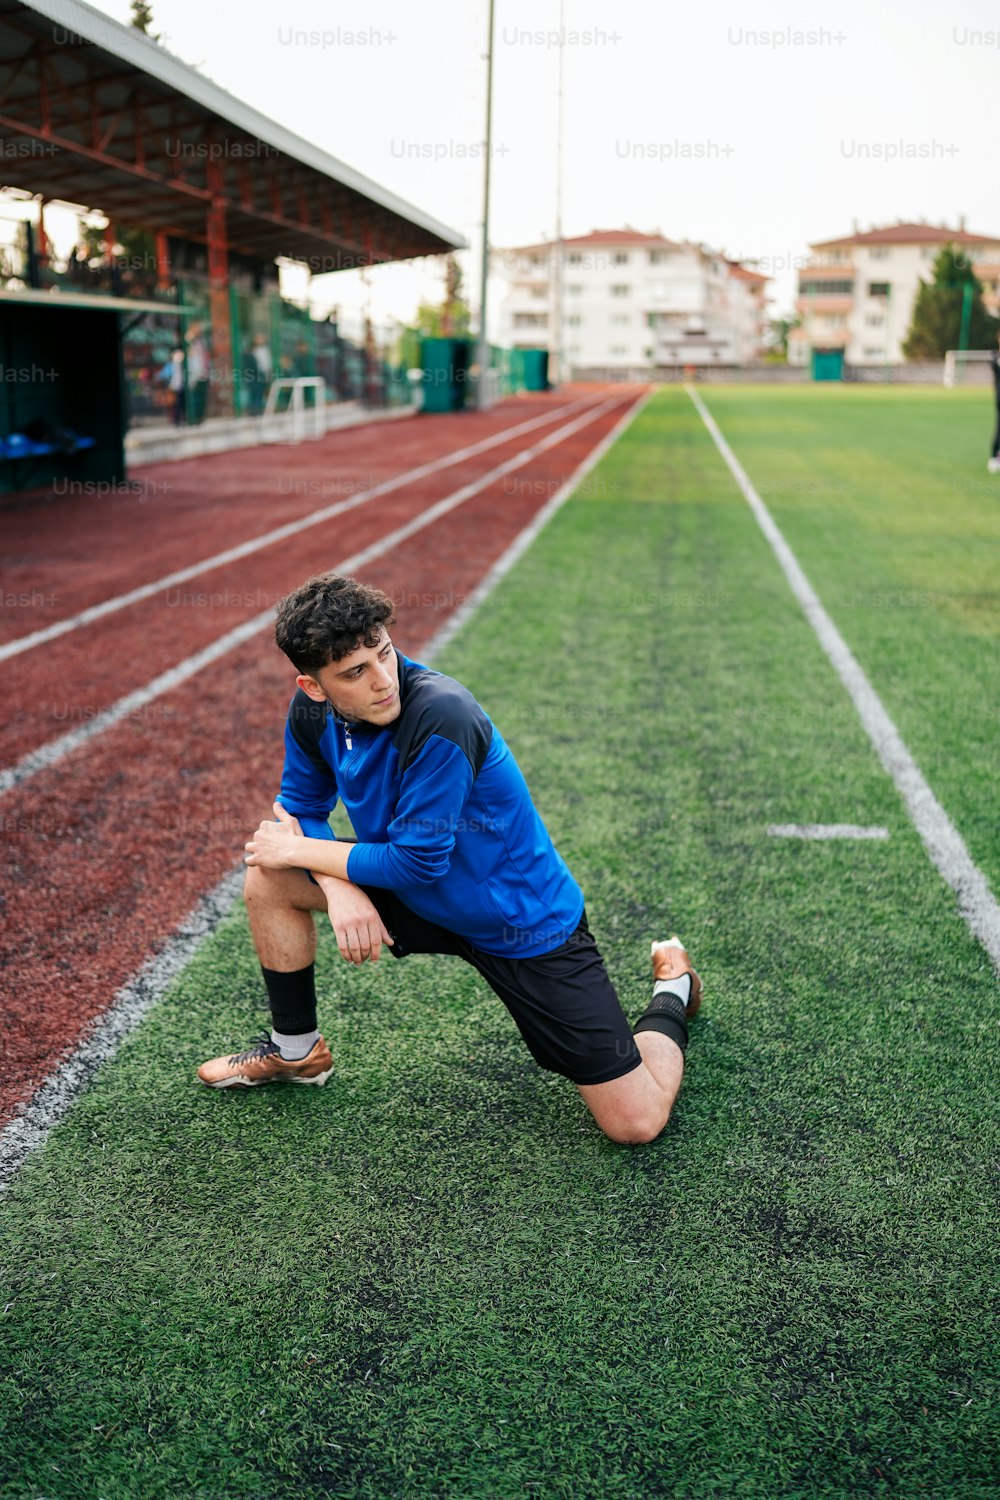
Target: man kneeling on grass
pixel 451 857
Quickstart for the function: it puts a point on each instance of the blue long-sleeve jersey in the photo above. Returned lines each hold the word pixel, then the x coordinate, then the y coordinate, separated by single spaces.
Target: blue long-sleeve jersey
pixel 441 810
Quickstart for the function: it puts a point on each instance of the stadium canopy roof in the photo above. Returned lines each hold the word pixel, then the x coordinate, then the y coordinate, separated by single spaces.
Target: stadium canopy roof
pixel 100 115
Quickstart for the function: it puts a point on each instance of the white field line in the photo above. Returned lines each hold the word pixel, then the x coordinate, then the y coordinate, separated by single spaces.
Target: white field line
pixel 65 1083
pixel 941 839
pixel 54 1096
pixel 826 831
pixel 278 534
pixel 56 750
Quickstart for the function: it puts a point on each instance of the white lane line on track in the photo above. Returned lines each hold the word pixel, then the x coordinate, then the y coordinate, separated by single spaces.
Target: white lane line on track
pixel 826 831
pixel 49 754
pixel 53 1098
pixel 278 534
pixel 941 839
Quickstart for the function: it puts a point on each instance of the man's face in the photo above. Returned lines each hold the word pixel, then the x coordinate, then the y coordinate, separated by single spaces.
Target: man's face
pixel 363 686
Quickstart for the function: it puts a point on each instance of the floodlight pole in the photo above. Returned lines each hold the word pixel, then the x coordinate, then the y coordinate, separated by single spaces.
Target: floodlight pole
pixel 484 347
pixel 556 334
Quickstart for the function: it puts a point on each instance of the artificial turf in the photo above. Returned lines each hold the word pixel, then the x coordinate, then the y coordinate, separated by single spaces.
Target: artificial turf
pixel 435 1277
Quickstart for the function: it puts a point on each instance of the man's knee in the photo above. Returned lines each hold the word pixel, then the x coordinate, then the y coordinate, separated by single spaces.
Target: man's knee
pixel 256 887
pixel 286 888
pixel 635 1130
pixel 631 1110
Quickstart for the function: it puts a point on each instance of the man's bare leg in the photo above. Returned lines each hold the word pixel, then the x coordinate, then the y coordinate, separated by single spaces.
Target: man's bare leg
pixel 280 904
pixel 635 1108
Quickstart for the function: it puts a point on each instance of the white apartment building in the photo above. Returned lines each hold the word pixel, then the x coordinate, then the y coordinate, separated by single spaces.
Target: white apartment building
pixel 856 294
pixel 632 301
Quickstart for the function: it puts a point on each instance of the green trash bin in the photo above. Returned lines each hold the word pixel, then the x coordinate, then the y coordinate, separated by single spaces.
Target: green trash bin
pixel 445 363
pixel 828 364
pixel 536 369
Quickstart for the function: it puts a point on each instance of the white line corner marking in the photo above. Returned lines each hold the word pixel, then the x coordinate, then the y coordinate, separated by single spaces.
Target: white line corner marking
pixel 941 839
pixel 825 831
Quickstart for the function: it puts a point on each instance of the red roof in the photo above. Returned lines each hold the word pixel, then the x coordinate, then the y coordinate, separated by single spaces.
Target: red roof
pixel 628 236
pixel 607 237
pixel 743 273
pixel 911 234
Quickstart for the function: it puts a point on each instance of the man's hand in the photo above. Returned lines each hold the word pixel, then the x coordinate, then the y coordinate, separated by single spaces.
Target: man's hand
pixel 359 930
pixel 273 845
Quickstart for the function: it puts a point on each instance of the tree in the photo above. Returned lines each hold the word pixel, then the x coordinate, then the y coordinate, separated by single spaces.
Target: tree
pixel 778 330
pixel 451 319
pixel 142 18
pixel 936 324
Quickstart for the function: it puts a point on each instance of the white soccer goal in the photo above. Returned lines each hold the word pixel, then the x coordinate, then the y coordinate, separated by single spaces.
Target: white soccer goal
pixel 957 363
pixel 299 419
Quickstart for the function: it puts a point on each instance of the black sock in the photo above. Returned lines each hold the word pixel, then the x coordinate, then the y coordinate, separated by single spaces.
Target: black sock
pixel 293 999
pixel 666 1014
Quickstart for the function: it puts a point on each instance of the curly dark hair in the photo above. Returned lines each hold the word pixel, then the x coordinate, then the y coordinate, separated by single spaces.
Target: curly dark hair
pixel 327 618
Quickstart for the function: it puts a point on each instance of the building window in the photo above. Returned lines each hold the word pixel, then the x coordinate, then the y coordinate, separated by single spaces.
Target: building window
pixel 536 260
pixel 530 320
pixel 659 257
pixel 878 288
pixel 874 320
pixel 873 351
pixel 574 289
pixel 879 252
pixel 825 288
pixel 620 258
pixel 620 318
pixel 574 259
pixel 573 320
pixel 620 289
pixel 618 349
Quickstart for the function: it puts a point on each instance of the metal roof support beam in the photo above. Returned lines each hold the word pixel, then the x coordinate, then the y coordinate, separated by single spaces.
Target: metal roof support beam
pixel 218 282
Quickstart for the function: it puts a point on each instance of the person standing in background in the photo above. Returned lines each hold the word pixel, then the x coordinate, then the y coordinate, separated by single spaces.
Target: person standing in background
pixel 260 359
pixel 173 373
pixel 197 359
pixel 994 464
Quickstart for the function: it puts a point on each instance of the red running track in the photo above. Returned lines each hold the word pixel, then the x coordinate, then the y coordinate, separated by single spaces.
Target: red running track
pixel 108 849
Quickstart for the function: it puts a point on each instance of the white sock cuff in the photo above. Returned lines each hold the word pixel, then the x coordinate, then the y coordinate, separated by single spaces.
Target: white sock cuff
pixel 681 987
pixel 295 1048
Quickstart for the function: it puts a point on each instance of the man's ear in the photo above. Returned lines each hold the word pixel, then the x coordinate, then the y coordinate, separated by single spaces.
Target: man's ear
pixel 311 686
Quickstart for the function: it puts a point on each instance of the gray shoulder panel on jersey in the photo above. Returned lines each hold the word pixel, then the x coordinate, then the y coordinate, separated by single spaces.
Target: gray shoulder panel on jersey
pixel 436 704
pixel 307 720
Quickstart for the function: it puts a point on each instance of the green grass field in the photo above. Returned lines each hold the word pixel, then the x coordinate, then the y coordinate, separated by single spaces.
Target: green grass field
pixel 435 1277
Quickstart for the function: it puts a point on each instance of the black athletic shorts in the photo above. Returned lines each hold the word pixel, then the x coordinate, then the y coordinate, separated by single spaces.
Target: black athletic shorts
pixel 563 1002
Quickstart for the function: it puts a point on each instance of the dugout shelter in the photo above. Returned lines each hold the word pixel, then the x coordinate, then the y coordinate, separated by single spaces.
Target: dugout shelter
pixel 99 115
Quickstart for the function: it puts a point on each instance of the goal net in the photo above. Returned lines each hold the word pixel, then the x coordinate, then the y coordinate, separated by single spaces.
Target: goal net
pixel 967 366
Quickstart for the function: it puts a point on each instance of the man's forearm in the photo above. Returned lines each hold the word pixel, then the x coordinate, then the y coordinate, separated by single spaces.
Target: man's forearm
pixel 324 858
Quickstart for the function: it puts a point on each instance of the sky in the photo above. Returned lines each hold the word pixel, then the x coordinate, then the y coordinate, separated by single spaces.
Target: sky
pixel 755 129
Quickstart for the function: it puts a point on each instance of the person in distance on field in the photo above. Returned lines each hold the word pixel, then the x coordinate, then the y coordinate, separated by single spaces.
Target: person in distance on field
pixel 451 857
pixel 994 463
